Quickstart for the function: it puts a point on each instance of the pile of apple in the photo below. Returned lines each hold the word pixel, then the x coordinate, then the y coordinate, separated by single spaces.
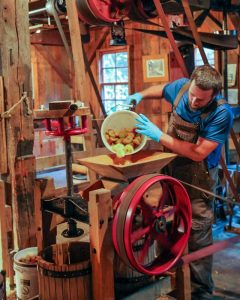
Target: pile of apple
pixel 29 259
pixel 123 141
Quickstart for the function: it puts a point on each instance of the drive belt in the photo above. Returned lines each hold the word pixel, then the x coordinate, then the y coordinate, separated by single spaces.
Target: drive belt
pixel 209 250
pixel 225 199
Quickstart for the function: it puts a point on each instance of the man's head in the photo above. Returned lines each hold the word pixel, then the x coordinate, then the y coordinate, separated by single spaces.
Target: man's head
pixel 206 82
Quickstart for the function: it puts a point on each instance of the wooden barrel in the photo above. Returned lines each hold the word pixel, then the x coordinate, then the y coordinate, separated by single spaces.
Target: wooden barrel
pixel 65 272
pixel 128 280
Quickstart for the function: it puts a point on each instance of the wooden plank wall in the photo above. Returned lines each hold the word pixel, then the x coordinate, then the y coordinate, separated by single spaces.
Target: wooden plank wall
pixel 51 74
pixel 140 44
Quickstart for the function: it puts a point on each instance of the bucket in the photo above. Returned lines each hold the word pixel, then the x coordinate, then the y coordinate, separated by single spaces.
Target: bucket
pixel 26 275
pixel 64 272
pixel 119 129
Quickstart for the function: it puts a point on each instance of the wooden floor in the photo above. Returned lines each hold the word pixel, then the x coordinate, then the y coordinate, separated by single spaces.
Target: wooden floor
pixel 226 268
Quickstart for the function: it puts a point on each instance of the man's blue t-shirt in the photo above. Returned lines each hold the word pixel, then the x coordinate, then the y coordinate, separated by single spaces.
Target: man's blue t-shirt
pixel 215 127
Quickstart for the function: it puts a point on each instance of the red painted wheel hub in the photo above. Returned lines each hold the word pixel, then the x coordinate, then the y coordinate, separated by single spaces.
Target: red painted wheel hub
pixel 153 210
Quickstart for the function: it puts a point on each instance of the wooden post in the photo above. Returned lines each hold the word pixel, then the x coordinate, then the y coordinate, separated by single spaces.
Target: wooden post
pixel 183 284
pixel 80 78
pixel 3 230
pixel 170 37
pixel 81 92
pixel 3 144
pixel 101 247
pixel 15 68
pixel 45 221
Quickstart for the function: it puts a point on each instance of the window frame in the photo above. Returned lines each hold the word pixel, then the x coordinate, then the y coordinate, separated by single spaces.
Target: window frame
pixel 112 50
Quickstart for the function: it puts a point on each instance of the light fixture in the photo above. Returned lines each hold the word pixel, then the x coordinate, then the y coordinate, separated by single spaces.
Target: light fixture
pixel 118 34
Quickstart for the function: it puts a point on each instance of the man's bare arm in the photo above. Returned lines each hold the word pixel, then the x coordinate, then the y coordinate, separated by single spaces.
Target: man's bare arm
pixel 196 152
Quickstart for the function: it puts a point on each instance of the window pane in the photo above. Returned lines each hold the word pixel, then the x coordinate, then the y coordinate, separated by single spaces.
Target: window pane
pixel 121 91
pixel 198 59
pixel 114 80
pixel 122 75
pixel 121 59
pixel 109 75
pixel 108 92
pixel 108 60
pixel 110 106
pixel 120 105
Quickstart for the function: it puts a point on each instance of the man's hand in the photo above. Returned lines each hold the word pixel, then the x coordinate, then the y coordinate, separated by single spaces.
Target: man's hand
pixel 146 127
pixel 134 99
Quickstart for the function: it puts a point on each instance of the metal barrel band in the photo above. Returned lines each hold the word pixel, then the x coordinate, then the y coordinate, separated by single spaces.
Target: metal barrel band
pixel 132 279
pixel 65 274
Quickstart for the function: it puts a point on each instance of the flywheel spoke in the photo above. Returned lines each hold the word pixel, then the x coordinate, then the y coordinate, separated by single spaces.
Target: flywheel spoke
pixel 139 233
pixel 144 251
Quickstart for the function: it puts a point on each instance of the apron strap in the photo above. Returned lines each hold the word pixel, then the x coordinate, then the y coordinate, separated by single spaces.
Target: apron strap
pixel 183 89
pixel 212 107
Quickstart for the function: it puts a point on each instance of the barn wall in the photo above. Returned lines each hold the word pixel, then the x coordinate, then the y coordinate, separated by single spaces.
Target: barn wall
pixel 52 76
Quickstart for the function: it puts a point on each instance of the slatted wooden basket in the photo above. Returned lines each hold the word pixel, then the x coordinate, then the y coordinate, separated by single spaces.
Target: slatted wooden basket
pixel 65 272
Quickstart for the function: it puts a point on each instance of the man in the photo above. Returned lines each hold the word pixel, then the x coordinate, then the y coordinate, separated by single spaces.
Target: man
pixel 199 125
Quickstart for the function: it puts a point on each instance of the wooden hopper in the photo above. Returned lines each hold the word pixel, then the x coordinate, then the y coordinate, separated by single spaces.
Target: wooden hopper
pixel 130 166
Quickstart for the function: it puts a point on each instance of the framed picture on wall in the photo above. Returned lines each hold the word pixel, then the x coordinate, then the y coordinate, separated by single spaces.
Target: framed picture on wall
pixel 155 68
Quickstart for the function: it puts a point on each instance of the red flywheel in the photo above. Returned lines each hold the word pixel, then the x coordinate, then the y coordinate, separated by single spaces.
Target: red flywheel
pixel 154 211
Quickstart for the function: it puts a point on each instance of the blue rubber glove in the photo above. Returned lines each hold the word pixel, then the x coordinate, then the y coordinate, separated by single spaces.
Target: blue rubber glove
pixel 146 127
pixel 134 99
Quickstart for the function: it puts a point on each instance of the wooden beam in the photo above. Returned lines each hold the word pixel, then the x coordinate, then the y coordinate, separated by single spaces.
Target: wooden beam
pixel 3 143
pixel 81 91
pixel 193 28
pixel 45 221
pixel 136 57
pixel 59 113
pixel 3 230
pixel 95 88
pixel 80 76
pixel 235 19
pixel 15 67
pixel 25 174
pixel 98 43
pixel 171 38
pixel 102 252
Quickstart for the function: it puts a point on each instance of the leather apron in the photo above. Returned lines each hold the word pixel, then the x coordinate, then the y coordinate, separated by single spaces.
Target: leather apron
pixel 187 170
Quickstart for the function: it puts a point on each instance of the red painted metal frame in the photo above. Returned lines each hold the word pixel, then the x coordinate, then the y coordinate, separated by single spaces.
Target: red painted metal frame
pixel 173 242
pixel 56 127
pixel 103 9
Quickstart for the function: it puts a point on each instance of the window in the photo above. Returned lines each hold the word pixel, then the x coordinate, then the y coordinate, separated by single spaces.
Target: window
pixel 114 79
pixel 198 59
